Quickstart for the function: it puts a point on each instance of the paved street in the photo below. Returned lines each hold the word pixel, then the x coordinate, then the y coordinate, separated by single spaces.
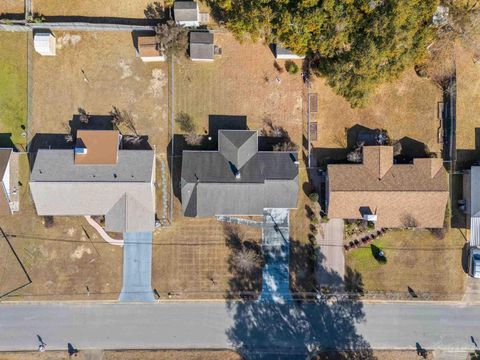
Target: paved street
pixel 250 327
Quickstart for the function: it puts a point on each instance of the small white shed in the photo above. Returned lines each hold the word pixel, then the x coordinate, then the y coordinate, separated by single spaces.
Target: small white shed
pixel 44 44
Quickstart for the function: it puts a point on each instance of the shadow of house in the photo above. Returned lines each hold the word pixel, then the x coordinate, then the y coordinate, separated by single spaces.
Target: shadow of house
pixel 95 122
pixel 468 157
pixel 102 20
pixel 300 330
pixel 6 141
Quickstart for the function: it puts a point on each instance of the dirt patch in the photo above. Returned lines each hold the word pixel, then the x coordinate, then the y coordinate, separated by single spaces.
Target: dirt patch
pixel 11 6
pixel 468 104
pixel 92 8
pixel 96 71
pixel 406 108
pixel 242 81
pixel 65 262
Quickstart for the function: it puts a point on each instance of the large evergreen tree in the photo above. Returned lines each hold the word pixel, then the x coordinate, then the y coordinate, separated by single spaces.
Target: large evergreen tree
pixel 356 44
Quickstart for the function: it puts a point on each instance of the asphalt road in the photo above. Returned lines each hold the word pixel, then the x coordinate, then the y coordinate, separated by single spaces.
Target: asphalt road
pixel 253 328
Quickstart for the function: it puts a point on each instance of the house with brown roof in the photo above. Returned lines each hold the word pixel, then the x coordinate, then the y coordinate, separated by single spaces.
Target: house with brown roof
pixel 388 194
pixel 97 177
pixel 148 50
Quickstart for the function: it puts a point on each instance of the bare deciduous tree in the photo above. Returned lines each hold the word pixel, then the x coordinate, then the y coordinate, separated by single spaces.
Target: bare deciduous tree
pixel 123 119
pixel 193 139
pixel 246 260
pixel 285 146
pixel 185 121
pixel 355 156
pixel 171 39
pixel 84 116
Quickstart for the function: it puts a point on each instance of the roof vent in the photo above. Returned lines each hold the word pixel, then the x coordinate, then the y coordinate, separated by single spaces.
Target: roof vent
pixel 80 150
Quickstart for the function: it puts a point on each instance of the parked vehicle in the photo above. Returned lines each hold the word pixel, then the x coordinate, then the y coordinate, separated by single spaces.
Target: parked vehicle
pixel 474 262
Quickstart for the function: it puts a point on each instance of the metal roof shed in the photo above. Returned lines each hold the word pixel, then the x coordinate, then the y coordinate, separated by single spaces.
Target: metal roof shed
pixel 201 46
pixel 45 44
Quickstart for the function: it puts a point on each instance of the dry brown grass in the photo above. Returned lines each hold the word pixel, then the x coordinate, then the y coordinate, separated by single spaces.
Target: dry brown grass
pixel 468 99
pixel 116 77
pixel 405 108
pixel 62 260
pixel 11 6
pixel 109 8
pixel 240 82
pixel 192 252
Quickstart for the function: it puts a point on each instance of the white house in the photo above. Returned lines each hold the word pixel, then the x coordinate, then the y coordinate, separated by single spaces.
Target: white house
pixel 186 13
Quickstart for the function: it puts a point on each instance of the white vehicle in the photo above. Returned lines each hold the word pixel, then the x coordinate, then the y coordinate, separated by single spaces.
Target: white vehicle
pixel 474 262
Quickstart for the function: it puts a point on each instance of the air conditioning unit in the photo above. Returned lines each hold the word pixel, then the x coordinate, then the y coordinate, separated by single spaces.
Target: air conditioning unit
pixel 80 150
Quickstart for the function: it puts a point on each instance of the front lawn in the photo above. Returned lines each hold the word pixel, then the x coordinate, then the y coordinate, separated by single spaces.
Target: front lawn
pixel 13 92
pixel 417 264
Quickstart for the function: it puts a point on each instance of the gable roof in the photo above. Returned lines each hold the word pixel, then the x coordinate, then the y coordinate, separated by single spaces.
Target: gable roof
pixel 209 185
pixel 393 192
pixel 148 47
pixel 123 192
pixel 201 45
pixel 237 146
pixel 185 11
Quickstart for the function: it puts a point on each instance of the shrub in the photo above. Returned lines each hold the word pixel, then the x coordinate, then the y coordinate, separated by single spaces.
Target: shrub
pixel 314 231
pixel 313 196
pixel 48 221
pixel 193 139
pixel 291 67
pixel 314 221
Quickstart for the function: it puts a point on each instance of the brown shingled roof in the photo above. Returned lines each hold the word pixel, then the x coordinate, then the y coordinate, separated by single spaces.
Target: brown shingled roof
pixel 392 192
pixel 101 147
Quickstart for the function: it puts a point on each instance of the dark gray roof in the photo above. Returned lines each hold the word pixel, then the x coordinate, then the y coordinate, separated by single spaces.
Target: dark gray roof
pixel 201 45
pixel 237 146
pixel 209 186
pixel 185 11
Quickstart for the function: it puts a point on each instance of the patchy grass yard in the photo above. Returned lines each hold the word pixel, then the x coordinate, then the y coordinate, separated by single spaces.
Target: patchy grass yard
pixel 96 71
pixel 192 252
pixel 432 268
pixel 405 108
pixel 93 8
pixel 242 81
pixel 468 105
pixel 61 261
pixel 13 92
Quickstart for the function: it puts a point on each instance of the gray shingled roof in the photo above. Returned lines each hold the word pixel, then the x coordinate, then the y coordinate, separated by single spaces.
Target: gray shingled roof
pixel 201 45
pixel 237 146
pixel 124 192
pixel 209 186
pixel 185 11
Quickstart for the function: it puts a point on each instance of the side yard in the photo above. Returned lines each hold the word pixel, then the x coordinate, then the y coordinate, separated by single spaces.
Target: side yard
pixel 66 261
pixel 13 92
pixel 416 264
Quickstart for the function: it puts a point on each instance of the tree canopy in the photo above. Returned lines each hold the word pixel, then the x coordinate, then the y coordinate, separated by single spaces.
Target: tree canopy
pixel 355 44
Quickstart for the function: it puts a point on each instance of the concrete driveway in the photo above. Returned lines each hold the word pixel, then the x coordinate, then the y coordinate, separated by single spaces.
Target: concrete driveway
pixel 137 267
pixel 330 259
pixel 275 248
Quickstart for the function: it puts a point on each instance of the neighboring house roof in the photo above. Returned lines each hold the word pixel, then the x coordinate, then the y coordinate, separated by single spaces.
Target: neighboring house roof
pixel 201 45
pixel 210 185
pixel 185 11
pixel 123 192
pixel 5 155
pixel 148 47
pixel 471 193
pixel 400 195
pixel 98 147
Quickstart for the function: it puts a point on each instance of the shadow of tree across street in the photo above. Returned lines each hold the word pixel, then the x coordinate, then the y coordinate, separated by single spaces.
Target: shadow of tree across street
pixel 302 329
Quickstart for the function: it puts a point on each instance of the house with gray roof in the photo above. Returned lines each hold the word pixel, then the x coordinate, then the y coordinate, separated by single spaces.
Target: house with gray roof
pixel 201 47
pixel 237 179
pixel 186 13
pixel 97 178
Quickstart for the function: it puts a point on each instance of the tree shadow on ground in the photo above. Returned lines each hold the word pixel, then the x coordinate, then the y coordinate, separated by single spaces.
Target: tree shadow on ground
pixel 245 263
pixel 301 329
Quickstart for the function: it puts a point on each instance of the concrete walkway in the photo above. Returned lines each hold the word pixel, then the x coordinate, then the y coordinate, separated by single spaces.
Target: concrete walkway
pixel 102 232
pixel 137 267
pixel 330 264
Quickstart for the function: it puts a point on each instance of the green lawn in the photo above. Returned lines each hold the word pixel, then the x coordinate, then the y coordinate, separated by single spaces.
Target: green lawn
pixel 13 89
pixel 414 259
